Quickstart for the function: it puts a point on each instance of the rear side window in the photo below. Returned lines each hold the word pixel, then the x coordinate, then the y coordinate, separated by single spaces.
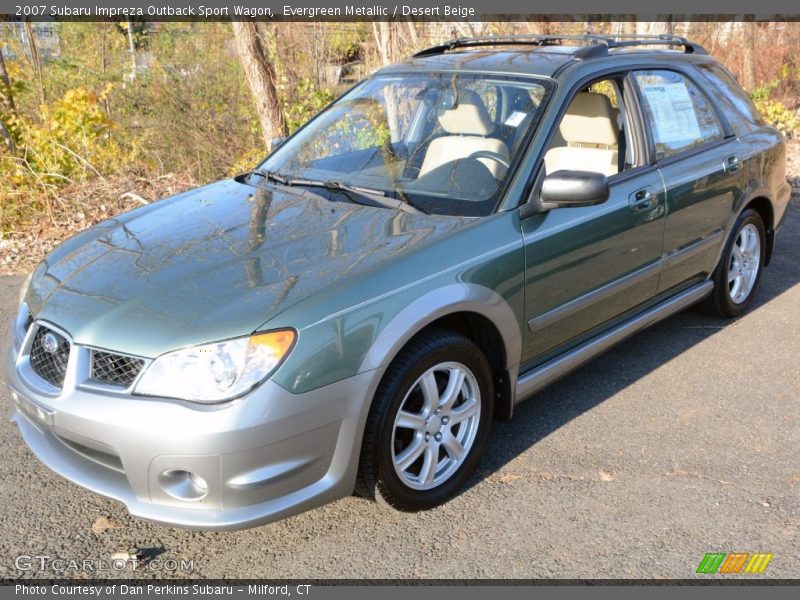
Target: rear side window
pixel 680 117
pixel 726 85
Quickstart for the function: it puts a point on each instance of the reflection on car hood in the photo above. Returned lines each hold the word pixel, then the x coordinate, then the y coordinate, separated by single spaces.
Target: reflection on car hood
pixel 214 263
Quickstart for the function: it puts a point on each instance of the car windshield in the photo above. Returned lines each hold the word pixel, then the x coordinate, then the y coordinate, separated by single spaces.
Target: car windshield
pixel 444 143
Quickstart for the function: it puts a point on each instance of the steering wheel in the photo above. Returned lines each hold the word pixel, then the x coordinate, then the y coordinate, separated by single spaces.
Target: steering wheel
pixel 498 158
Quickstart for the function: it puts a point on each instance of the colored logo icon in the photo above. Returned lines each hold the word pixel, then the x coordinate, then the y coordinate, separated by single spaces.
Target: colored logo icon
pixel 735 562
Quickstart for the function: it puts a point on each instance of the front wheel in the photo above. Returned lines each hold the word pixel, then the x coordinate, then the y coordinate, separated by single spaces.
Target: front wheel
pixel 739 271
pixel 428 422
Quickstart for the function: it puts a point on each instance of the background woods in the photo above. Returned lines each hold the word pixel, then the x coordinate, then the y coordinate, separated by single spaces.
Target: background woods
pixel 96 118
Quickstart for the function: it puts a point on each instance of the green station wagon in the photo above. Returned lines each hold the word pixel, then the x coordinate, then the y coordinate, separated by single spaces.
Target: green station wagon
pixel 450 236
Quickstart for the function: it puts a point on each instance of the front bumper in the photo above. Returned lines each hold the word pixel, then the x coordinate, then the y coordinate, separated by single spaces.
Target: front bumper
pixel 263 457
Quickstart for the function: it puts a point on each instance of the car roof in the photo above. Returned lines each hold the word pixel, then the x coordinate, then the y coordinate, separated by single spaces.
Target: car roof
pixel 540 56
pixel 517 61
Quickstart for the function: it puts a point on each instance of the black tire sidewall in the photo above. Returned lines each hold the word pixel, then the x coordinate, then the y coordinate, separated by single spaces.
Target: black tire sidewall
pixel 388 483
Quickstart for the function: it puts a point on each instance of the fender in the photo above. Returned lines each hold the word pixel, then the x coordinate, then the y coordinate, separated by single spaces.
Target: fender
pixel 760 192
pixel 447 300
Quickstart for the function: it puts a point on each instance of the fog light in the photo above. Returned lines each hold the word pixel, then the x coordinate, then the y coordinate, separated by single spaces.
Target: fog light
pixel 183 485
pixel 198 481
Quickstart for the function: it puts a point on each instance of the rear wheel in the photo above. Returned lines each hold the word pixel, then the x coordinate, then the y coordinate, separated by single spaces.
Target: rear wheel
pixel 428 422
pixel 739 271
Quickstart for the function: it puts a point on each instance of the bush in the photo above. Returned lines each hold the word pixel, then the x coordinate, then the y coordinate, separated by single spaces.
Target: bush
pixel 74 140
pixel 776 114
pixel 306 101
pixel 773 111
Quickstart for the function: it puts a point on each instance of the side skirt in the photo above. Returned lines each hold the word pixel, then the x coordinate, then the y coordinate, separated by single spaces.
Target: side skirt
pixel 540 377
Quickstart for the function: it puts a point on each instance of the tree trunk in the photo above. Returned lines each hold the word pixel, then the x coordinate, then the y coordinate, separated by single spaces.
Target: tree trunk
pixel 260 75
pixel 412 34
pixel 382 33
pixel 132 50
pixel 662 27
pixel 103 63
pixel 36 60
pixel 748 56
pixel 8 96
pixel 7 138
pixel 629 25
pixel 8 106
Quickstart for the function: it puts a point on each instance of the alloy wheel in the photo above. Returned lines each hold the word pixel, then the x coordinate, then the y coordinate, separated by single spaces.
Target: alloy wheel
pixel 744 263
pixel 436 425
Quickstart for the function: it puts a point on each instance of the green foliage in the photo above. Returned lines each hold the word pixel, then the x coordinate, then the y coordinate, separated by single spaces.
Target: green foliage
pixel 141 32
pixel 345 45
pixel 75 140
pixel 367 125
pixel 304 102
pixel 775 112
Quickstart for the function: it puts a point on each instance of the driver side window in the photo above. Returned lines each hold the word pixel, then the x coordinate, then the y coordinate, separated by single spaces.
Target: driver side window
pixel 593 134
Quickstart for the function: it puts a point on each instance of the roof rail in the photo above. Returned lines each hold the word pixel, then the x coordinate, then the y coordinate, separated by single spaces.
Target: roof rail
pixel 597 45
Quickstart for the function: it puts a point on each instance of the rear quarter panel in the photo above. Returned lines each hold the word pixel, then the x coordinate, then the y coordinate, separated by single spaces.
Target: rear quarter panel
pixel 764 154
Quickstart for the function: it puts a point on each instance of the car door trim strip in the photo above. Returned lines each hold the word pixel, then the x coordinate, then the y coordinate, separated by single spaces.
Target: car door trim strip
pixel 540 377
pixel 670 260
pixel 626 281
pixel 602 293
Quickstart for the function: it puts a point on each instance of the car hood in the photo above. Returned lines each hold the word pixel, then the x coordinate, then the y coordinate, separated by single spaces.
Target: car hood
pixel 214 263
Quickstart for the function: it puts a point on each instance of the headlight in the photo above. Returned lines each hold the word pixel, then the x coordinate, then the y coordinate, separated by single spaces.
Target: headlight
pixel 24 289
pixel 216 372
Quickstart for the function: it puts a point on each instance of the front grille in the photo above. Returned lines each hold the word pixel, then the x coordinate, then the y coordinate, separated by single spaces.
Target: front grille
pixel 49 356
pixel 115 369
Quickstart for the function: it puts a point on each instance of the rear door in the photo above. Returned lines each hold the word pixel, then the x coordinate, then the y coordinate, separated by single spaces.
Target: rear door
pixel 699 158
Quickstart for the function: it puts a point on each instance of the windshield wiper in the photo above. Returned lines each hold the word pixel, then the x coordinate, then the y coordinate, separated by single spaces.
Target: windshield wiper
pixel 376 197
pixel 271 176
pixel 353 192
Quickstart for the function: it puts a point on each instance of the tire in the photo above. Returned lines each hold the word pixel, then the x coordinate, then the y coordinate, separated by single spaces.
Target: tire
pixel 739 270
pixel 411 461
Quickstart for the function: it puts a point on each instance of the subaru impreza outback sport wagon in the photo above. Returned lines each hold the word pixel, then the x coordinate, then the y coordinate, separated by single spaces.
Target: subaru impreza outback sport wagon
pixel 453 234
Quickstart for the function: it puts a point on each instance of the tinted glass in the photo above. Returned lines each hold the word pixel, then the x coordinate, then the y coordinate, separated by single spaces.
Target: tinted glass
pixel 593 133
pixel 439 141
pixel 679 115
pixel 726 85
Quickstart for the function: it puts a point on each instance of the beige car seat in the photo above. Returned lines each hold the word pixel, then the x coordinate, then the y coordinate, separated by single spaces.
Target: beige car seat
pixel 467 126
pixel 589 128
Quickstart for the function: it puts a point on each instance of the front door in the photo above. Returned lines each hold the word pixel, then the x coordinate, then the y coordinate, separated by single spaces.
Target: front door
pixel 587 266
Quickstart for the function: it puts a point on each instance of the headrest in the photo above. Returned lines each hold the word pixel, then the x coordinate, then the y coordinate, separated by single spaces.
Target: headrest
pixel 469 117
pixel 590 119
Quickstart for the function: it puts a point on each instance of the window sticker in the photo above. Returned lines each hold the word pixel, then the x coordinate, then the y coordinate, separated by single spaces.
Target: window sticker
pixel 673 112
pixel 515 118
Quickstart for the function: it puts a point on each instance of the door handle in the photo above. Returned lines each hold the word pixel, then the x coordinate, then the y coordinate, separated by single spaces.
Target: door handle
pixel 643 200
pixel 731 164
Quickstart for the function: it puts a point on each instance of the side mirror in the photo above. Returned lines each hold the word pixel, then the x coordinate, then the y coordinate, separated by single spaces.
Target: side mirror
pixel 574 188
pixel 275 142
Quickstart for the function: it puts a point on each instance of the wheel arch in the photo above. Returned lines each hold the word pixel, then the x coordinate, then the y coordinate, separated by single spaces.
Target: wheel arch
pixel 477 312
pixel 763 206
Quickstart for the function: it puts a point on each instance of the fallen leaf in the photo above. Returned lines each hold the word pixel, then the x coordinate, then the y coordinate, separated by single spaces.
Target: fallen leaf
pixel 606 476
pixel 102 524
